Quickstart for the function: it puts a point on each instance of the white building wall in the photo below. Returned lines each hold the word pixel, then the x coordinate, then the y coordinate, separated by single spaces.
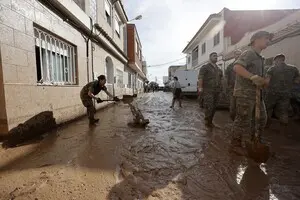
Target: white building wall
pixel 208 38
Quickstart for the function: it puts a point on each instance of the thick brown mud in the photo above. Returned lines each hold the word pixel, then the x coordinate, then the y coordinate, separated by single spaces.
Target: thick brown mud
pixel 175 157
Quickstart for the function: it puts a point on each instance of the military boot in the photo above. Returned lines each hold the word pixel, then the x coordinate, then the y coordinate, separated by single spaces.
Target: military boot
pixel 93 121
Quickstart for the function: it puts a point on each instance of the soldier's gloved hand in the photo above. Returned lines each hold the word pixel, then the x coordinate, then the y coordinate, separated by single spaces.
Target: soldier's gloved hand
pixel 99 100
pixel 257 80
pixel 116 99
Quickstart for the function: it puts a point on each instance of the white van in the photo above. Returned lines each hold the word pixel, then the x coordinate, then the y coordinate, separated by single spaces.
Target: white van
pixel 188 79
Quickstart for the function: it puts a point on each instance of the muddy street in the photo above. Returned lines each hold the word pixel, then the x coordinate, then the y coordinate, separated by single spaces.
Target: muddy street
pixel 175 157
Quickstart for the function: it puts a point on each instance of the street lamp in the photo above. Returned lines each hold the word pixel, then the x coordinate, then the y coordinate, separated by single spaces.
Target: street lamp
pixel 139 17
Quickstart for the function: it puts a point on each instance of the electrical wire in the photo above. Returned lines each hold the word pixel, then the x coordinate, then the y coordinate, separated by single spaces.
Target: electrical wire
pixel 158 65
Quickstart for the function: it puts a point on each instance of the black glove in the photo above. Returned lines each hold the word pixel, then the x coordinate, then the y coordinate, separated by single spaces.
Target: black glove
pixel 99 100
pixel 116 99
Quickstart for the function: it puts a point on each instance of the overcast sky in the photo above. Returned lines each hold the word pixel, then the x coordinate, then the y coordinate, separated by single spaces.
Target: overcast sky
pixel 168 25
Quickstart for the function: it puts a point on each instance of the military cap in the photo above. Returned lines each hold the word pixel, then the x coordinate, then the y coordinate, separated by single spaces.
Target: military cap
pixel 261 34
pixel 279 55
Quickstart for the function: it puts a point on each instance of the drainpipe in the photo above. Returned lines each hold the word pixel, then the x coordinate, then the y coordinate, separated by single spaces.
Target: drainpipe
pixel 87 59
pixel 92 54
pixel 87 40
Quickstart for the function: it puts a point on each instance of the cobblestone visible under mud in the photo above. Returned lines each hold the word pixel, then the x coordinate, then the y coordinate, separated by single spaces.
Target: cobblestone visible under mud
pixel 175 157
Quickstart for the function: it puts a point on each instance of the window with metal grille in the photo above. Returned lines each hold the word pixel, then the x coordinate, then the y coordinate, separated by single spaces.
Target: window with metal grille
pixel 120 79
pixel 217 39
pixel 93 10
pixel 107 7
pixel 55 59
pixel 203 47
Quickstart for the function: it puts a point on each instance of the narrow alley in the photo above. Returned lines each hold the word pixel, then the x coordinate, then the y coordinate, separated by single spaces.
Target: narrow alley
pixel 175 157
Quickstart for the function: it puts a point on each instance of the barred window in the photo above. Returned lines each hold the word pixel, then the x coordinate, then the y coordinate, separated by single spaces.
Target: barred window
pixel 55 59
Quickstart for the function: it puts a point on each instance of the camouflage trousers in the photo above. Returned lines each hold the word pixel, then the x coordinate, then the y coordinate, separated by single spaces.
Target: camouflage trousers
pixel 232 104
pixel 88 103
pixel 210 102
pixel 243 127
pixel 279 102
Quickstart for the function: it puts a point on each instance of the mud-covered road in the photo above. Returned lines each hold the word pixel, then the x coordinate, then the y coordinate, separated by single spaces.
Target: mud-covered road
pixel 175 157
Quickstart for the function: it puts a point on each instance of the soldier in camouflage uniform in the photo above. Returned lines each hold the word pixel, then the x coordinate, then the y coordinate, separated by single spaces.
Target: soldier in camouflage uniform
pixel 209 87
pixel 281 79
pixel 249 75
pixel 230 79
pixel 267 65
pixel 88 93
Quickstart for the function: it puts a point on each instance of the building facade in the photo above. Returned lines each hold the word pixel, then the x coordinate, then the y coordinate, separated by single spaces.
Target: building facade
pixel 50 49
pixel 224 29
pixel 135 56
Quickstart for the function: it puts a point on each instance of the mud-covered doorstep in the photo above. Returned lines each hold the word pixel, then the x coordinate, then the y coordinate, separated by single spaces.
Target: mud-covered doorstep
pixel 175 157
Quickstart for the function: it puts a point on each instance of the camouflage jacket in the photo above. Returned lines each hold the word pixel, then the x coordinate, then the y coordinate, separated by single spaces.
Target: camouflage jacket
pixel 252 62
pixel 211 76
pixel 93 87
pixel 282 79
pixel 230 76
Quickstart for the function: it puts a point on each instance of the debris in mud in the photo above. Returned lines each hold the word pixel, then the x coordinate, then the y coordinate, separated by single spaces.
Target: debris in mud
pixel 139 121
pixel 30 129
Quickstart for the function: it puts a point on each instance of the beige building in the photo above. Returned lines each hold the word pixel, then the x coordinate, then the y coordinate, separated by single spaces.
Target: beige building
pixel 50 49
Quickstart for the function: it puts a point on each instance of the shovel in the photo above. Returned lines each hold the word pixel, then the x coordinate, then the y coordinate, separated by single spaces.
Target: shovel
pixel 256 150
